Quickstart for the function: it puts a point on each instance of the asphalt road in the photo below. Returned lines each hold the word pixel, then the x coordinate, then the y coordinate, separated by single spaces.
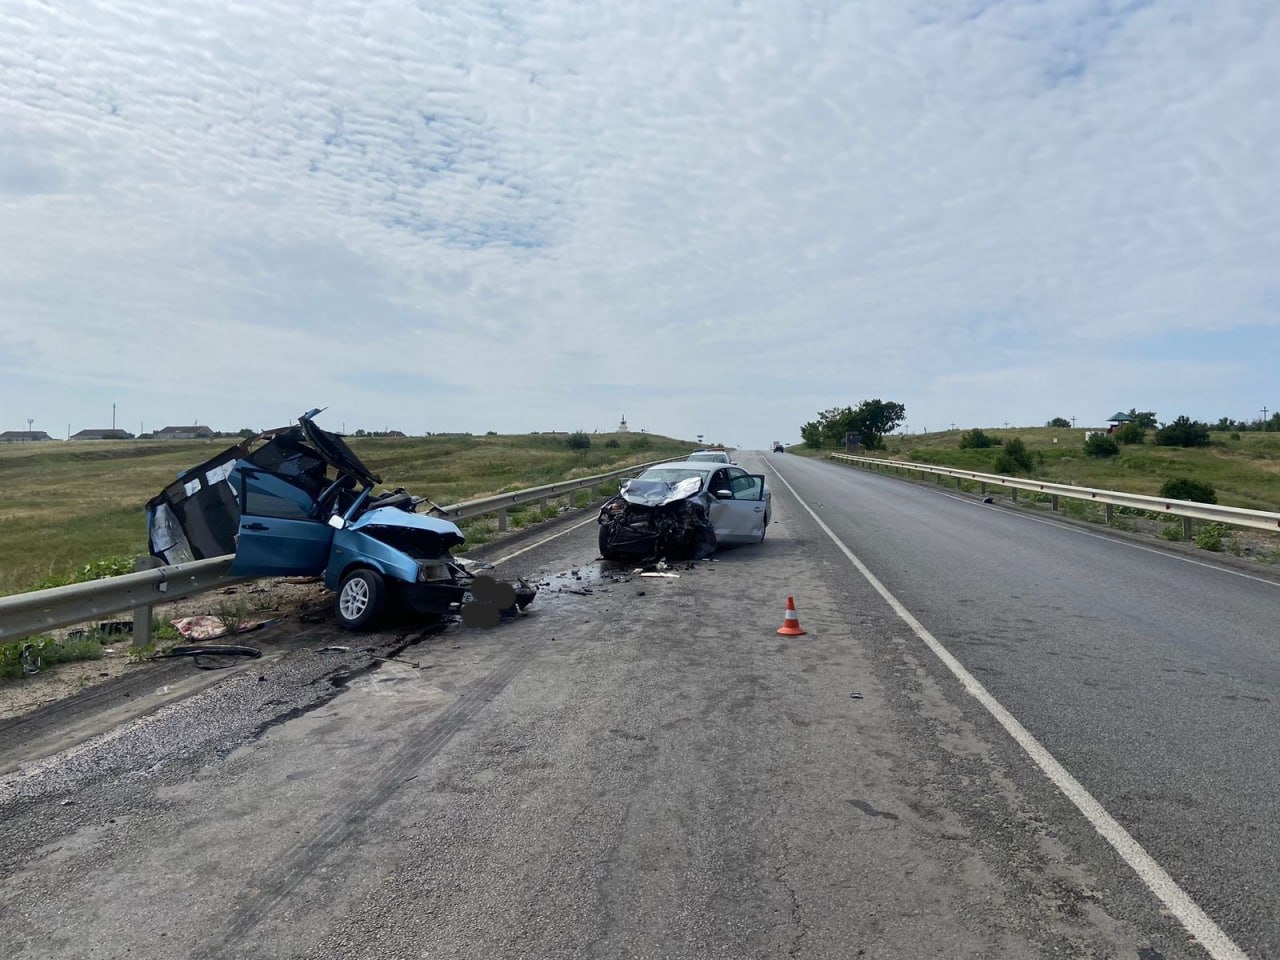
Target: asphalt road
pixel 642 767
pixel 1154 677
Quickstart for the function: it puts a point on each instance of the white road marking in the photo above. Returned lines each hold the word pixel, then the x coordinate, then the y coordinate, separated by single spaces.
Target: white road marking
pixel 1196 921
pixel 538 543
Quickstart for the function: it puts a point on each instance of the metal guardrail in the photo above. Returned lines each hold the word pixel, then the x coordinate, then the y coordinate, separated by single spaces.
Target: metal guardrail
pixel 1188 510
pixel 24 614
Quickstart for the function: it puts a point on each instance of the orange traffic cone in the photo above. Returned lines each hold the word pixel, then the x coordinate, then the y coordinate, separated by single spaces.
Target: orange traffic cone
pixel 791 623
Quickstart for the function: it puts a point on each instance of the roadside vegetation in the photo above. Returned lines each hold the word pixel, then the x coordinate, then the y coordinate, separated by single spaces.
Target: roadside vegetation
pixel 1183 459
pixel 73 511
pixel 1241 469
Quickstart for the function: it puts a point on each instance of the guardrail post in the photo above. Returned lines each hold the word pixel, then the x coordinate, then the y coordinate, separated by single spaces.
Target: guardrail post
pixel 959 483
pixel 1053 502
pixel 982 487
pixel 1111 514
pixel 502 519
pixel 1186 528
pixel 1013 492
pixel 142 614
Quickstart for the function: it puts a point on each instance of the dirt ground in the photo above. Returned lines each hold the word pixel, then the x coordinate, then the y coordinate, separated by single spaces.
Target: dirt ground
pixel 282 601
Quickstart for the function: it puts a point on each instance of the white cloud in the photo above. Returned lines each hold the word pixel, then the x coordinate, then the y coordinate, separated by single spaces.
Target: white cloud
pixel 717 218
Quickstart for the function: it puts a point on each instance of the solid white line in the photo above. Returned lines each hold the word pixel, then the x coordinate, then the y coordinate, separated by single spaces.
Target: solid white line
pixel 560 533
pixel 1196 921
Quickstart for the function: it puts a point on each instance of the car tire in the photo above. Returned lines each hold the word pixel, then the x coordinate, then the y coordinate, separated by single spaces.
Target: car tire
pixel 361 599
pixel 605 543
pixel 765 528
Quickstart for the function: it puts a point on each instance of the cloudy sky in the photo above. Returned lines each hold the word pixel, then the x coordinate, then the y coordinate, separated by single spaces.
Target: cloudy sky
pixel 712 216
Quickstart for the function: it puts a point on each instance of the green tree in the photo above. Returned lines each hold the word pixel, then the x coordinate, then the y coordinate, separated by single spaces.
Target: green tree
pixel 1146 419
pixel 1014 458
pixel 872 420
pixel 1183 432
pixel 1100 445
pixel 579 441
pixel 1062 423
pixel 1130 433
pixel 976 439
pixel 1184 488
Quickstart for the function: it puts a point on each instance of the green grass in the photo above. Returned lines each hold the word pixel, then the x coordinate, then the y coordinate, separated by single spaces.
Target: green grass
pixel 68 505
pixel 48 651
pixel 1245 472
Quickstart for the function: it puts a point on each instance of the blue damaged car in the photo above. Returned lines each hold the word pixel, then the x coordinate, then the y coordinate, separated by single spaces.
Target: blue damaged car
pixel 296 501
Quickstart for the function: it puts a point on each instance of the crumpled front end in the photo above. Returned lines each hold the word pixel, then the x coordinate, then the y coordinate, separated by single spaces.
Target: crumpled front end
pixel 676 528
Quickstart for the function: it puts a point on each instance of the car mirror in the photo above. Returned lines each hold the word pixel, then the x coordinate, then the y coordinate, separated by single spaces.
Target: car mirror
pixel 337 522
pixel 722 494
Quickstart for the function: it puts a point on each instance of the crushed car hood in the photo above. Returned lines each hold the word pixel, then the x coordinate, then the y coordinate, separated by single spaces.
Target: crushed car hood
pixel 395 517
pixel 657 493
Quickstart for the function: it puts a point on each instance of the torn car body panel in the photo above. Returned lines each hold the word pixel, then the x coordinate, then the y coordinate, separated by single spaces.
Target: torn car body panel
pixel 296 501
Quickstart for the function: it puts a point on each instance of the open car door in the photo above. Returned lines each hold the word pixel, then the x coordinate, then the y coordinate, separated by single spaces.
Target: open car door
pixel 279 534
pixel 739 516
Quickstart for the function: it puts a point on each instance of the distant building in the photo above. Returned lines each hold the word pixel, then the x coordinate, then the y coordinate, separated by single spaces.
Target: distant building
pixel 183 433
pixel 23 436
pixel 102 435
pixel 1118 420
pixel 622 427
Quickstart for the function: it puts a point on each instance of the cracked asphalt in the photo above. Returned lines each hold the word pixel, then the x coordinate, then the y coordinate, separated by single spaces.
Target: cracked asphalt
pixel 636 768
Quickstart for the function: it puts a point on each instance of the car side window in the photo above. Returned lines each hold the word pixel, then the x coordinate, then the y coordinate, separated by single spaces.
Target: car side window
pixel 735 472
pixel 747 487
pixel 269 496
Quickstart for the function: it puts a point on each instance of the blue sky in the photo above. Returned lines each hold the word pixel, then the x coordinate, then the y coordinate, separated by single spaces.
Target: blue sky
pixel 713 217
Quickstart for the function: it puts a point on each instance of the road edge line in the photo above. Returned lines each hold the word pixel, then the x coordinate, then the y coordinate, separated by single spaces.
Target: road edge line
pixel 1196 922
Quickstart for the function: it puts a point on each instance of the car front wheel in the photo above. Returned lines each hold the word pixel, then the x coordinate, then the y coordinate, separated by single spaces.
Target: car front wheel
pixel 361 599
pixel 765 528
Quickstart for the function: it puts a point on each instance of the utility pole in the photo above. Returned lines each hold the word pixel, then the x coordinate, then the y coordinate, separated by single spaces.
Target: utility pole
pixel 1073 423
pixel 1006 424
pixel 113 416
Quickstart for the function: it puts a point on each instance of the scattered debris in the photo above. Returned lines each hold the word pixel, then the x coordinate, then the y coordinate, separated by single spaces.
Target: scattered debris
pixel 205 627
pixel 334 648
pixel 410 663
pixel 669 576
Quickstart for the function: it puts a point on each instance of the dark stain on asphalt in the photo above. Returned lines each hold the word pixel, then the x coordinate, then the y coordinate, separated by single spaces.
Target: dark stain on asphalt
pixel 871 811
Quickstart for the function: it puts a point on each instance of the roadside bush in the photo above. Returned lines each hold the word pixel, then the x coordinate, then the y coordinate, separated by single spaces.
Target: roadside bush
pixel 640 443
pixel 1059 422
pixel 579 441
pixel 1213 537
pixel 1184 488
pixel 1130 433
pixel 976 439
pixel 1014 458
pixel 612 443
pixel 1183 432
pixel 1101 445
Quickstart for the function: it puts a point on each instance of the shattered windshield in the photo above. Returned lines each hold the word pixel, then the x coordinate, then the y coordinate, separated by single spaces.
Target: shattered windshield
pixel 670 474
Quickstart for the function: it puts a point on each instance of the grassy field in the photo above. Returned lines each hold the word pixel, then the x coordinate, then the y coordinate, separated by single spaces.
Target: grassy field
pixel 1243 469
pixel 68 506
pixel 1244 472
